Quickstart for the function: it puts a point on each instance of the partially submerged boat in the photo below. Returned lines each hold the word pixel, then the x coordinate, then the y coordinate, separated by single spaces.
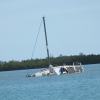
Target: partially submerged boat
pixel 56 70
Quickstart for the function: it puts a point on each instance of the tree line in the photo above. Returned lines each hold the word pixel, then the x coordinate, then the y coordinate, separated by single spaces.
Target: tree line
pixel 43 63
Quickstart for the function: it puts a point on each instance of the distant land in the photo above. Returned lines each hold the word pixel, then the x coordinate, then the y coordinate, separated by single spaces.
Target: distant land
pixel 43 63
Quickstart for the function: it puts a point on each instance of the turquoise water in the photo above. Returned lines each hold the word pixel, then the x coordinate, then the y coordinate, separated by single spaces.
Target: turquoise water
pixel 84 86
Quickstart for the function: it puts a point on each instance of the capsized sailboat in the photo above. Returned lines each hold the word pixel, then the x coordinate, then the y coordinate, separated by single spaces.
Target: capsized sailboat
pixel 57 70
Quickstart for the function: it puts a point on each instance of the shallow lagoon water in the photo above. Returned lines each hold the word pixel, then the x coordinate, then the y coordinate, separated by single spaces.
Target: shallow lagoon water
pixel 84 86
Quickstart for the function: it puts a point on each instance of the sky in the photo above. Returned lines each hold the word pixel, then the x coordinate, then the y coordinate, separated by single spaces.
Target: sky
pixel 73 27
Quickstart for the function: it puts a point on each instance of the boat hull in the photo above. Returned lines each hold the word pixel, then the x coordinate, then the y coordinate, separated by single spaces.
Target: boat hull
pixel 58 70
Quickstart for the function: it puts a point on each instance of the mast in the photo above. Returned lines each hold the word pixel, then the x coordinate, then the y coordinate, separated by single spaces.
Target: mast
pixel 46 40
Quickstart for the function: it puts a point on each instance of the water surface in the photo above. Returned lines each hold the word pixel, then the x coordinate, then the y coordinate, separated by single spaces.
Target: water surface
pixel 84 86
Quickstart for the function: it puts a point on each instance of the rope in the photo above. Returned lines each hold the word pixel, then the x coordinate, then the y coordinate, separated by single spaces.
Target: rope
pixel 34 48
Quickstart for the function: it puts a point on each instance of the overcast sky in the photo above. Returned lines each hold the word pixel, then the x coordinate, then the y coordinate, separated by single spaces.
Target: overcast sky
pixel 73 26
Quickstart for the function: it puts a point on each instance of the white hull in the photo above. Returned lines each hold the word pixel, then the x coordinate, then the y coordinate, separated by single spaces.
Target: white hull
pixel 58 70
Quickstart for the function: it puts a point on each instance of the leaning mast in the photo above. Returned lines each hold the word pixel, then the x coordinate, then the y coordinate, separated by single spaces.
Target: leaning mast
pixel 46 40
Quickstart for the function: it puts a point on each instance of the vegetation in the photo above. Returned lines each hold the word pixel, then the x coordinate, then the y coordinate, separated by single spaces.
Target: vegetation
pixel 41 63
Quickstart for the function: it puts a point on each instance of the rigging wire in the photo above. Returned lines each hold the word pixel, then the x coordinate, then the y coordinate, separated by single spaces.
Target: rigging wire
pixel 34 48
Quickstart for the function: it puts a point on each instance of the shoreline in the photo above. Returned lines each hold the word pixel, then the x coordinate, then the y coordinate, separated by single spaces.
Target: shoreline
pixel 55 61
